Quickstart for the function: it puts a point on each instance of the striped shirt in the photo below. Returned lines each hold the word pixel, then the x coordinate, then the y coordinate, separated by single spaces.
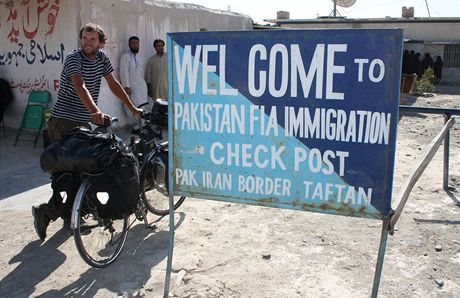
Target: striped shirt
pixel 68 105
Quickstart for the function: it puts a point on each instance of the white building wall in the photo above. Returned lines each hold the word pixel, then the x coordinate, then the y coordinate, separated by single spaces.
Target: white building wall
pixel 452 74
pixel 431 35
pixel 432 31
pixel 36 35
pixel 149 21
pixel 425 31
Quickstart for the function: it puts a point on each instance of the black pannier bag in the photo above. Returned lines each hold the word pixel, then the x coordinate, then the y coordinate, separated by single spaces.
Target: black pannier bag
pixel 81 151
pixel 100 156
pixel 116 192
pixel 145 142
pixel 65 187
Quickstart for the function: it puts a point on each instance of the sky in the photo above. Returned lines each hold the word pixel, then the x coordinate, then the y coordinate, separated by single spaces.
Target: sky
pixel 259 10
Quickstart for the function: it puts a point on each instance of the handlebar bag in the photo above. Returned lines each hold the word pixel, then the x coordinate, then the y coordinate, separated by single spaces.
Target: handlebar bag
pixel 160 112
pixel 81 151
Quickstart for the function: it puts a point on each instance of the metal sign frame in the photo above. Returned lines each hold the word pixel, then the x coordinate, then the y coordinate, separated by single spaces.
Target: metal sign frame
pixel 296 119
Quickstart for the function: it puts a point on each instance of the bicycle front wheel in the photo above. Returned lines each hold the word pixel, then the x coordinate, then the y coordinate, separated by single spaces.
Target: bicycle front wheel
pixel 99 241
pixel 156 202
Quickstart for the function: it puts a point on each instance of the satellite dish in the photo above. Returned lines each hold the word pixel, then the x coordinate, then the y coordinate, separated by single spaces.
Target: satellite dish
pixel 344 3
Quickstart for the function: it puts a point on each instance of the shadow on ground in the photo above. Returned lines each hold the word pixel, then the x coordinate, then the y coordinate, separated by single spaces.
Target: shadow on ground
pixel 143 251
pixel 19 166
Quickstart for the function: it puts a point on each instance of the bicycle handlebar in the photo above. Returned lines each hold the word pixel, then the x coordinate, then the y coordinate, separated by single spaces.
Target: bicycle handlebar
pixel 107 122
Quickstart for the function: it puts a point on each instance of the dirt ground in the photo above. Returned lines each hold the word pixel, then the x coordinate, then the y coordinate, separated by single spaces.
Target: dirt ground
pixel 232 250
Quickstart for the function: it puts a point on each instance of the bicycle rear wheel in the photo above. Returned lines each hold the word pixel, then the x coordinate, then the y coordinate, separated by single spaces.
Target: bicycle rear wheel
pixel 156 202
pixel 99 241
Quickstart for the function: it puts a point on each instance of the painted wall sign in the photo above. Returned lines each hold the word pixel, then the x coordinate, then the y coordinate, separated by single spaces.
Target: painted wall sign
pixel 27 21
pixel 299 119
pixel 36 36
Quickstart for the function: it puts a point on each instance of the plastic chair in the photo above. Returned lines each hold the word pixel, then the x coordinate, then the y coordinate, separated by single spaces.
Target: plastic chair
pixel 34 115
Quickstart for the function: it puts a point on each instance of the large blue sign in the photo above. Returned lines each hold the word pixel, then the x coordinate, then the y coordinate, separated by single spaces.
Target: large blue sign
pixel 298 119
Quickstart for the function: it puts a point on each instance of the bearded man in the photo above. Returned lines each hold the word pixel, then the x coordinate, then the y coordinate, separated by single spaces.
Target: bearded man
pixel 132 78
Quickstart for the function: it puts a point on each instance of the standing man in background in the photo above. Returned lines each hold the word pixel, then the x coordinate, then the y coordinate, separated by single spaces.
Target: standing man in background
pixel 132 79
pixel 156 72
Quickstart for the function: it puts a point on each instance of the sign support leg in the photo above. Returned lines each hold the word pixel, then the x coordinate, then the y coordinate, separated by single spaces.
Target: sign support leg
pixel 381 256
pixel 170 245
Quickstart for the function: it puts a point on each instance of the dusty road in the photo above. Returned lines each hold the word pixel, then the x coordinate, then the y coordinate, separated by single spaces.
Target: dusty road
pixel 231 250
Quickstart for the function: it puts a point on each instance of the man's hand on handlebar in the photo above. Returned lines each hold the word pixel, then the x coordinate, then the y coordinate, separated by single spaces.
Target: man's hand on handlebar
pixel 138 112
pixel 99 118
pixel 142 114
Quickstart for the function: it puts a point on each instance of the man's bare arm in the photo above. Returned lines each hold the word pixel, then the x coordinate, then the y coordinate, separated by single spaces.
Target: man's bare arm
pixel 119 92
pixel 97 117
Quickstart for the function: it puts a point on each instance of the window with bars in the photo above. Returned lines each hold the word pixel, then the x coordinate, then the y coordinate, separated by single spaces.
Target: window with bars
pixel 452 56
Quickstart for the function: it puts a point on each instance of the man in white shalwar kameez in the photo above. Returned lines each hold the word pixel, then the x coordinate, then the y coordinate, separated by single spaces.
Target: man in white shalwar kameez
pixel 132 78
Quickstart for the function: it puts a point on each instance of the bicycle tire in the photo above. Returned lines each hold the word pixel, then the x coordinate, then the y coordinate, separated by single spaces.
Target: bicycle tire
pixel 99 241
pixel 156 202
